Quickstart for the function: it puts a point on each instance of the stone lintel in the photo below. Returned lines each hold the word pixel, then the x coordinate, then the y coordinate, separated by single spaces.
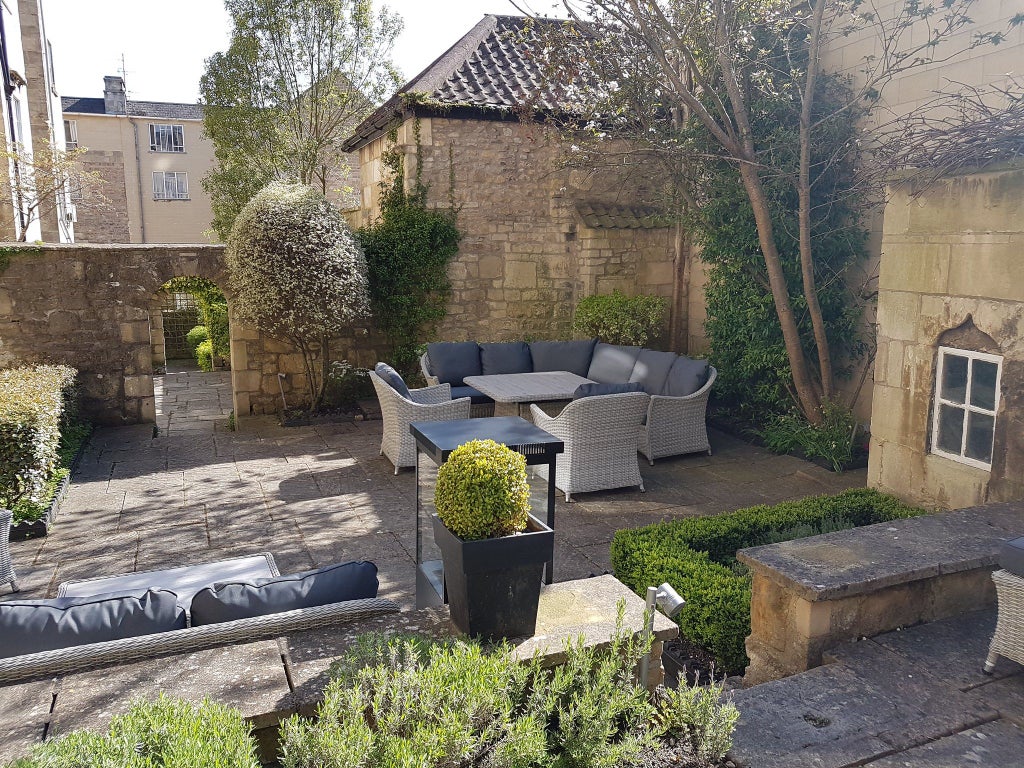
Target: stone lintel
pixel 871 558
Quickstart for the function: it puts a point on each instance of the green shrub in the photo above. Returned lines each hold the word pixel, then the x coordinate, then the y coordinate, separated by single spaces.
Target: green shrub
pixel 697 555
pixel 831 440
pixel 346 384
pixel 698 713
pixel 213 310
pixel 482 491
pixel 204 355
pixel 197 336
pixel 32 406
pixel 620 319
pixel 166 733
pixel 72 437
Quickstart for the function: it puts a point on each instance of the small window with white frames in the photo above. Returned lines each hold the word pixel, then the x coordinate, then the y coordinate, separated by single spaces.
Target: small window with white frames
pixel 966 402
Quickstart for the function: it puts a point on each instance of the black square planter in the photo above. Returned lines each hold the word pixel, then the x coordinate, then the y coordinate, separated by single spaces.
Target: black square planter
pixel 493 585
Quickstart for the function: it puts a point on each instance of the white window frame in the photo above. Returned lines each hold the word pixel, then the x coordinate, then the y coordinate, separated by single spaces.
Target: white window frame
pixel 71 134
pixel 169 131
pixel 160 192
pixel 965 406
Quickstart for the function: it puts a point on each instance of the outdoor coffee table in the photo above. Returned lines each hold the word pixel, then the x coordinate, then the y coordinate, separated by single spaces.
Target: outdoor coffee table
pixel 511 391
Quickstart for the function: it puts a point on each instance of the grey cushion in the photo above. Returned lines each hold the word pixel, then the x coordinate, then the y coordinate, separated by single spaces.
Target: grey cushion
pixel 1011 556
pixel 592 390
pixel 452 361
pixel 232 600
pixel 474 395
pixel 652 369
pixel 505 357
pixel 393 378
pixel 30 626
pixel 572 356
pixel 686 377
pixel 612 363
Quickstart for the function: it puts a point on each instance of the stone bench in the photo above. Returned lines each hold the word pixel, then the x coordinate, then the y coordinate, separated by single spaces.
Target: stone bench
pixel 810 594
pixel 271 680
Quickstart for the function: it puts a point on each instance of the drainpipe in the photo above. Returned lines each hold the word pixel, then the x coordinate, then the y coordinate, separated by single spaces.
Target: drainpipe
pixel 138 174
pixel 8 92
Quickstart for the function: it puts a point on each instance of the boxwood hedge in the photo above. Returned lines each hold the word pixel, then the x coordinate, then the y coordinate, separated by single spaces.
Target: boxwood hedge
pixel 697 557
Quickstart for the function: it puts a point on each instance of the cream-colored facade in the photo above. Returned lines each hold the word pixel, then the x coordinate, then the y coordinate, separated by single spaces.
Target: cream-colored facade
pixel 152 157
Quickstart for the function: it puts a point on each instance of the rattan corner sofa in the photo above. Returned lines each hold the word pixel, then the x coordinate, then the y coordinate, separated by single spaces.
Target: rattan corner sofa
pixel 679 386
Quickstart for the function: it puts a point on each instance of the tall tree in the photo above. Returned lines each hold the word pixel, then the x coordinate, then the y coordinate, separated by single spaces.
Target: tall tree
pixel 296 78
pixel 689 62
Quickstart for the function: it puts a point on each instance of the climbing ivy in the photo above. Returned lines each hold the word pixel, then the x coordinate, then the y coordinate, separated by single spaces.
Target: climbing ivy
pixel 408 250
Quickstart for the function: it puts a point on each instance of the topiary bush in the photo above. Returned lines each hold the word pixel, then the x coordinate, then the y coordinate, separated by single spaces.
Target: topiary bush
pixel 168 733
pixel 297 273
pixel 482 491
pixel 697 556
pixel 204 355
pixel 620 319
pixel 197 336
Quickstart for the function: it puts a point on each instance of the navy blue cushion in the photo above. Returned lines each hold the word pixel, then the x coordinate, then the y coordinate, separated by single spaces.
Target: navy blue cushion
pixel 591 390
pixel 686 377
pixel 1011 556
pixel 475 395
pixel 572 356
pixel 31 626
pixel 652 369
pixel 452 361
pixel 612 363
pixel 506 357
pixel 232 600
pixel 393 378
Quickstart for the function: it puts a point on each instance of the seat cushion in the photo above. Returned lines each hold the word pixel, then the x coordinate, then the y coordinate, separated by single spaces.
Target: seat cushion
pixel 686 377
pixel 505 357
pixel 652 369
pixel 572 356
pixel 475 395
pixel 393 378
pixel 592 390
pixel 30 626
pixel 1011 556
pixel 453 361
pixel 228 601
pixel 612 363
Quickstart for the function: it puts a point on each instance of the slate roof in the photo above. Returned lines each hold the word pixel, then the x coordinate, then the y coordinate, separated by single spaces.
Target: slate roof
pixel 165 110
pixel 491 69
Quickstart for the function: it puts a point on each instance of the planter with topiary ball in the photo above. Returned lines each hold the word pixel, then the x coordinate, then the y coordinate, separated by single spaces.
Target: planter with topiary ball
pixel 493 550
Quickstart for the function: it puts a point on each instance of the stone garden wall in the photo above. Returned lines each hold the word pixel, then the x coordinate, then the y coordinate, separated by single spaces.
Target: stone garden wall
pixel 952 274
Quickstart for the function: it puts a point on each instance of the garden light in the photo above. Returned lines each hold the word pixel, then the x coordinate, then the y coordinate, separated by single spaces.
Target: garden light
pixel 671 603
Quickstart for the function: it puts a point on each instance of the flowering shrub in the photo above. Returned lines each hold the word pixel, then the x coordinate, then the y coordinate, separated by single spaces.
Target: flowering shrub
pixel 297 273
pixel 31 410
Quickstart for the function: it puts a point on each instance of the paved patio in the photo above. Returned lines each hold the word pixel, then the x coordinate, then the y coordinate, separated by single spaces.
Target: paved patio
pixel 198 492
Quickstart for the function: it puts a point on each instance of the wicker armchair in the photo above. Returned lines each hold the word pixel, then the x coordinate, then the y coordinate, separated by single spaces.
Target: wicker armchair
pixel 476 410
pixel 427 404
pixel 6 569
pixel 600 436
pixel 677 424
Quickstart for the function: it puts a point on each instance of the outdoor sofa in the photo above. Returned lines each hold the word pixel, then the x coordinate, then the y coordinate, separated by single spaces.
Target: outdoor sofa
pixel 45 638
pixel 679 386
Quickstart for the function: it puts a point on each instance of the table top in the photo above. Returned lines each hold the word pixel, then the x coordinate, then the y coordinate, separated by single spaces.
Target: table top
pixel 440 438
pixel 527 387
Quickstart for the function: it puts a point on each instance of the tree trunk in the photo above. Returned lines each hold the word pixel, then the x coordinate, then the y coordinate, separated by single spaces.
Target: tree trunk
pixel 807 394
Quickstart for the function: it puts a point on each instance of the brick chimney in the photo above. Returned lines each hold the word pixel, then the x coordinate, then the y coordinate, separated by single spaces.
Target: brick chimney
pixel 114 100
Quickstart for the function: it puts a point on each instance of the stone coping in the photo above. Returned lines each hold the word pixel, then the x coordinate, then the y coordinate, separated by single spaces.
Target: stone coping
pixel 862 560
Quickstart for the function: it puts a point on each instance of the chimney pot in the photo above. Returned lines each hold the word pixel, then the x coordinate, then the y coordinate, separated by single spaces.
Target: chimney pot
pixel 114 100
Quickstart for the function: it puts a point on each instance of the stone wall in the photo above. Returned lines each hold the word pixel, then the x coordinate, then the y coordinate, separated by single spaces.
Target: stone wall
pixel 952 272
pixel 103 208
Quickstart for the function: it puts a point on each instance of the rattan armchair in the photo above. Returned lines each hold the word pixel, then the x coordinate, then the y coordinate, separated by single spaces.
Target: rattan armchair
pixel 600 436
pixel 6 568
pixel 677 425
pixel 427 404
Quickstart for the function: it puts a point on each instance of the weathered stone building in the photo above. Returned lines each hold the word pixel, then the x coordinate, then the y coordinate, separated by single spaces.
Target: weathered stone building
pixel 536 237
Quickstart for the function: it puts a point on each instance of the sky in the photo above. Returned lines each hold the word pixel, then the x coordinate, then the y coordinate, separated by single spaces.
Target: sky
pixel 164 45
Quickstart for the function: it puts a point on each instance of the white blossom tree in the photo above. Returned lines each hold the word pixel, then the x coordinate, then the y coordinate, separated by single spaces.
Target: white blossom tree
pixel 297 273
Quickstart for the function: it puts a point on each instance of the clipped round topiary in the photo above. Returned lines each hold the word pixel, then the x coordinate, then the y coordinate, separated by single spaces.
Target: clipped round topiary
pixel 482 491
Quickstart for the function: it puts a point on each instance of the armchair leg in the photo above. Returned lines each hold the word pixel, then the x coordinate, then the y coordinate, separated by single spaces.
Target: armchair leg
pixel 642 489
pixel 14 585
pixel 990 662
pixel 651 462
pixel 567 499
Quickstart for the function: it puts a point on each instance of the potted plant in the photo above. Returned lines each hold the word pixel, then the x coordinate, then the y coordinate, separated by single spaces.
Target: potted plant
pixel 493 550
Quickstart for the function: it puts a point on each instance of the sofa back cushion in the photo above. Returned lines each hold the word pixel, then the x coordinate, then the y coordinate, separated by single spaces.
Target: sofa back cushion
pixel 686 377
pixel 652 369
pixel 453 361
pixel 393 378
pixel 612 363
pixel 1011 556
pixel 30 626
pixel 505 357
pixel 232 600
pixel 593 390
pixel 572 356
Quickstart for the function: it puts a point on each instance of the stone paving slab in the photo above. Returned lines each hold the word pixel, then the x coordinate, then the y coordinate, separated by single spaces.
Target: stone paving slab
pixel 992 744
pixel 24 716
